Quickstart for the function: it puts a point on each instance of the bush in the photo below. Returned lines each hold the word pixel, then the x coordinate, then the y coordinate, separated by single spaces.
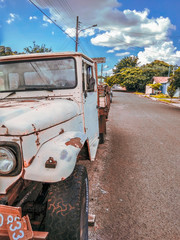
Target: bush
pixel 171 90
pixel 161 95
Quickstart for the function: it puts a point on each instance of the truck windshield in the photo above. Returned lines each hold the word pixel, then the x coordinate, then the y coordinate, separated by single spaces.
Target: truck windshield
pixel 38 75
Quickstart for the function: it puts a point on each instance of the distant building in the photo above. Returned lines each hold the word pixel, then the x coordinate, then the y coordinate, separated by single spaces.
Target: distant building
pixel 162 80
pixel 165 84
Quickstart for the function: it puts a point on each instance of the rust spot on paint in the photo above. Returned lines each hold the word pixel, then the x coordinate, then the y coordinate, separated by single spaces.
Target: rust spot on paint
pixel 62 179
pixel 28 100
pixel 5 106
pixel 15 140
pixel 34 127
pixel 37 134
pixel 75 142
pixel 3 126
pixel 62 131
pixel 37 140
pixel 27 164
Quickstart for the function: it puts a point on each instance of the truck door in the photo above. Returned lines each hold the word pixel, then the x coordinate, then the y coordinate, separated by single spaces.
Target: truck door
pixel 90 107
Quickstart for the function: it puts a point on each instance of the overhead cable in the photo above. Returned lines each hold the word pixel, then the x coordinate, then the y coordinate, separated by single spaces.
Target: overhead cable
pixel 52 20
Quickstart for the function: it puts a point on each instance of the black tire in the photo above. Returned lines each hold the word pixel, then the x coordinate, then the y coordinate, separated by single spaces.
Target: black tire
pixel 67 207
pixel 101 138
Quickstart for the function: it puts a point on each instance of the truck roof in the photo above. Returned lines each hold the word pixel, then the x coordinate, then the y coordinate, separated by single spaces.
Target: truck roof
pixel 20 57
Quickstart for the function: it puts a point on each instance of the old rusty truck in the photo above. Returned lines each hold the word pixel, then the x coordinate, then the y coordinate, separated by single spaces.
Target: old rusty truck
pixel 49 121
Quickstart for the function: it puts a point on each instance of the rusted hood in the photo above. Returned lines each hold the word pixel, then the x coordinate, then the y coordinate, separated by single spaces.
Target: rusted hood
pixel 27 116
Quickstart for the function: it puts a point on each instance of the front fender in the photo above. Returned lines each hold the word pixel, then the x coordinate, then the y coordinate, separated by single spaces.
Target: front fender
pixel 62 149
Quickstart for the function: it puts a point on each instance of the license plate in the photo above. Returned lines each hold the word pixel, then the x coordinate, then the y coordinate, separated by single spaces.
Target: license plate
pixel 11 221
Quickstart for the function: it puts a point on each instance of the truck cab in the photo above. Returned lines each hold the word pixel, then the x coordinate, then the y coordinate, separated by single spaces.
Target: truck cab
pixel 49 119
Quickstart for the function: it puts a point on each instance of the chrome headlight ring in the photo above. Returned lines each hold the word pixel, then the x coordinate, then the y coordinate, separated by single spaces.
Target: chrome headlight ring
pixel 7 160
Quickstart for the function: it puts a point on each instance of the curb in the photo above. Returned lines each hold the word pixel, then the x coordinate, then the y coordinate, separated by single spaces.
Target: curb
pixel 156 100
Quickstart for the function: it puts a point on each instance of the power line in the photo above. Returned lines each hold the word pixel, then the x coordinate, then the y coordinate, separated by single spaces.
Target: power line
pixel 52 20
pixel 64 5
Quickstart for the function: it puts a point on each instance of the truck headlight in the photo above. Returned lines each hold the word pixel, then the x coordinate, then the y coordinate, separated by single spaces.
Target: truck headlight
pixel 7 160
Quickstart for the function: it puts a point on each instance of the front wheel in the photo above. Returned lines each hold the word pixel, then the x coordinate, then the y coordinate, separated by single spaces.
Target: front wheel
pixel 67 207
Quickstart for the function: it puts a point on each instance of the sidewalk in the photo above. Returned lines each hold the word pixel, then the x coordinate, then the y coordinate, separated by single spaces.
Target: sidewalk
pixel 175 102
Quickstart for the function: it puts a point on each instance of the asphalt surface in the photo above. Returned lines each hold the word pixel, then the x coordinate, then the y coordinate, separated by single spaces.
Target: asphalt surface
pixel 135 180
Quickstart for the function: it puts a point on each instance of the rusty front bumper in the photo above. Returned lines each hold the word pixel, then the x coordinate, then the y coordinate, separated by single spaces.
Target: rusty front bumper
pixel 15 227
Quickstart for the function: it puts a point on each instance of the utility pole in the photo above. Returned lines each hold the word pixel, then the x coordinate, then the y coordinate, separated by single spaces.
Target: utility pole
pixel 77 33
pixel 79 30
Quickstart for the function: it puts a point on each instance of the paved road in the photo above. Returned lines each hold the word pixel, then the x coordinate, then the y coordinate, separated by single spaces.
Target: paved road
pixel 135 181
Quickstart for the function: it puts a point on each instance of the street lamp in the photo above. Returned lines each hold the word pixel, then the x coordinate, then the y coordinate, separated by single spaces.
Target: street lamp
pixel 78 31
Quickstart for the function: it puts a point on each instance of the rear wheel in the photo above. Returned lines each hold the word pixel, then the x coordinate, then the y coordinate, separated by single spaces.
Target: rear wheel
pixel 67 207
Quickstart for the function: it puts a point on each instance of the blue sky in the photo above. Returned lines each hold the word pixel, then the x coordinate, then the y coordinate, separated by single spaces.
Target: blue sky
pixel 147 29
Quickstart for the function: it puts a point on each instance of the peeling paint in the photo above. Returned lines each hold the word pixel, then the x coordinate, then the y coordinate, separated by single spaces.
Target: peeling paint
pixel 5 106
pixel 34 116
pixel 15 140
pixel 37 140
pixel 34 127
pixel 4 130
pixel 75 142
pixel 62 131
pixel 27 164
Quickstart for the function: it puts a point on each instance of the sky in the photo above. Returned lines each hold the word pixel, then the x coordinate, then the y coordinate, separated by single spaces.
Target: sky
pixel 148 29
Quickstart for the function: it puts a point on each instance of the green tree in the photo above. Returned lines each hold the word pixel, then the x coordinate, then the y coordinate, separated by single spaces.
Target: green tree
pixel 149 73
pixel 159 63
pixel 155 86
pixel 4 51
pixel 126 62
pixel 160 68
pixel 133 79
pixel 126 73
pixel 171 90
pixel 112 80
pixel 176 78
pixel 37 48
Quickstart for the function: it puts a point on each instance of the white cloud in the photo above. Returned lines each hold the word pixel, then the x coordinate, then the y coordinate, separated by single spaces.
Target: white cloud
pixel 47 20
pixel 72 32
pixel 110 51
pixel 108 72
pixel 32 18
pixel 2 3
pixel 106 66
pixel 116 29
pixel 164 51
pixel 45 24
pixel 53 33
pixel 12 17
pixel 135 29
pixel 122 54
